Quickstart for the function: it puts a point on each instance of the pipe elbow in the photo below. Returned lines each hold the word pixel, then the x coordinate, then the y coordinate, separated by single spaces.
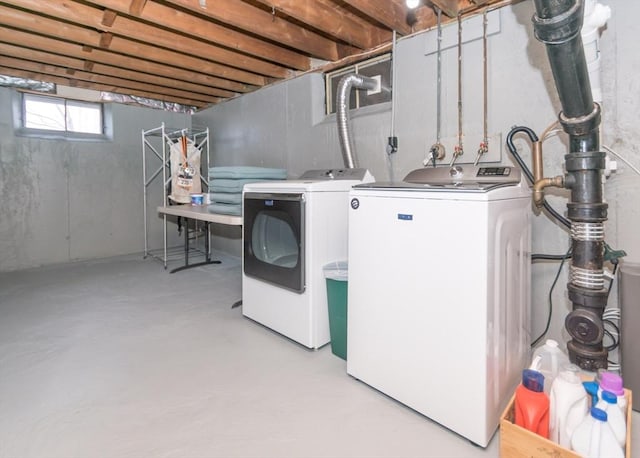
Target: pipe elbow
pixel 540 185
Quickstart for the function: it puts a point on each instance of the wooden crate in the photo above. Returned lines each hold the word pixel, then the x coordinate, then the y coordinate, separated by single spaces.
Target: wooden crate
pixel 517 442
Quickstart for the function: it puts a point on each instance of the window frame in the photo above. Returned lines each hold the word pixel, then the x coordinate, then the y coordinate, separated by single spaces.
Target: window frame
pixel 20 113
pixel 354 68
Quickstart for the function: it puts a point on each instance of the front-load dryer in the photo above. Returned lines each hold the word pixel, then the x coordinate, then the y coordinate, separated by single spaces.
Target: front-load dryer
pixel 439 286
pixel 292 229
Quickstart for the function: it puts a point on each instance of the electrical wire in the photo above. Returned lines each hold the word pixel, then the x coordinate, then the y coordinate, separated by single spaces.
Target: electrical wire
pixel 555 280
pixel 615 339
pixel 549 257
pixel 613 276
pixel 611 313
pixel 609 150
pixel 550 130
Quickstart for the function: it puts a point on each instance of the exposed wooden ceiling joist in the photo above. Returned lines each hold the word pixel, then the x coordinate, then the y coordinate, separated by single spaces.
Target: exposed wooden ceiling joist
pixel 88 37
pixel 69 67
pixel 178 51
pixel 390 13
pixel 78 13
pixel 264 24
pixel 179 77
pixel 136 7
pixel 332 19
pixel 176 20
pixel 160 84
pixel 72 82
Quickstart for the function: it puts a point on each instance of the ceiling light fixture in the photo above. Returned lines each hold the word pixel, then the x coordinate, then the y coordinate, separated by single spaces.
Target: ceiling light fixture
pixel 412 4
pixel 203 3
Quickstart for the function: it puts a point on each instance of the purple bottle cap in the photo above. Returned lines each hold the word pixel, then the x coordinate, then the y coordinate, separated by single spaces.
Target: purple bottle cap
pixel 611 382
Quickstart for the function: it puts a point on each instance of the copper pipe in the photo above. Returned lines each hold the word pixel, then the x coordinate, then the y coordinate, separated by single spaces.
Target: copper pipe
pixel 536 159
pixel 538 188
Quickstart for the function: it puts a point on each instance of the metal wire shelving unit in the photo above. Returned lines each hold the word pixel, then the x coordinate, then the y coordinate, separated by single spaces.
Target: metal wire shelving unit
pixel 155 147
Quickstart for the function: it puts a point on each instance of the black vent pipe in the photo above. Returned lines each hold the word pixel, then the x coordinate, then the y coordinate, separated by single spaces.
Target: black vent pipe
pixel 557 24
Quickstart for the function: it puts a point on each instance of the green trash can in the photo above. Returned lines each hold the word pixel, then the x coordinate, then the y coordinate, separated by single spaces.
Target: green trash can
pixel 336 276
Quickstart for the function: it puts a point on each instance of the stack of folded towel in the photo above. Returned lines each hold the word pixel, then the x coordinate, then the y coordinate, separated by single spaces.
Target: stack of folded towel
pixel 226 183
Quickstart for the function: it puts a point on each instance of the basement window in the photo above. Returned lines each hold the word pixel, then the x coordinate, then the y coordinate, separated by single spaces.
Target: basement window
pixel 55 117
pixel 379 67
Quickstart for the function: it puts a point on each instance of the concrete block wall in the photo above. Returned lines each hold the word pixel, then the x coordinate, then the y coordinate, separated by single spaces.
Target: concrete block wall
pixel 64 201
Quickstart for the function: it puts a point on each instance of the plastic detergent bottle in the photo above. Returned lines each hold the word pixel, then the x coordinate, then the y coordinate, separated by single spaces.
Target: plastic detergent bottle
pixel 549 359
pixel 610 381
pixel 569 405
pixel 616 419
pixel 532 404
pixel 593 438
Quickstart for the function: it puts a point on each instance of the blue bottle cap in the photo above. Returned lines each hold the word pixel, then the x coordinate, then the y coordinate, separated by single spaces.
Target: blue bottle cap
pixel 609 397
pixel 598 414
pixel 533 380
pixel 591 388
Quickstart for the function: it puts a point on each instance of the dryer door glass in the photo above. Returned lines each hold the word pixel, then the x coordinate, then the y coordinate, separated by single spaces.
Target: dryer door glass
pixel 274 238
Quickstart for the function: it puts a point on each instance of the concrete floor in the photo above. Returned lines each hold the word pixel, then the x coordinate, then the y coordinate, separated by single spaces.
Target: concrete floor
pixel 118 358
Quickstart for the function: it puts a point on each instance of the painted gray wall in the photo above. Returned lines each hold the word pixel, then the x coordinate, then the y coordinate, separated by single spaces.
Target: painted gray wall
pixel 65 200
pixel 284 125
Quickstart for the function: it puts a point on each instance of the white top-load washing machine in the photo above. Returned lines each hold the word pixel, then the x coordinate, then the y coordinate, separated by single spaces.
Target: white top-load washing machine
pixel 292 229
pixel 439 292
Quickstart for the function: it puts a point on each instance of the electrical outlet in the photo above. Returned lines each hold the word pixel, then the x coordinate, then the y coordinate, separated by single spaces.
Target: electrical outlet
pixel 378 88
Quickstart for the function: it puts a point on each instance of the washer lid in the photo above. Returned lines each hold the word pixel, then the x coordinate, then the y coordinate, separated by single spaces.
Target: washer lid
pixel 466 178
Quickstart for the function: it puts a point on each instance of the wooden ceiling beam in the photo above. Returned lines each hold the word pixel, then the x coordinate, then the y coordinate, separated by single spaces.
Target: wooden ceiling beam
pixel 425 18
pixel 389 13
pixel 18 52
pixel 87 37
pixel 450 7
pixel 105 40
pixel 185 23
pixel 124 84
pixel 88 16
pixel 264 24
pixel 333 20
pixel 136 7
pixel 108 18
pixel 65 81
pixel 179 76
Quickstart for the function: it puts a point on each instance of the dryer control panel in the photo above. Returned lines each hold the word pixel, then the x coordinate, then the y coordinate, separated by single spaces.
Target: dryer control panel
pixel 335 174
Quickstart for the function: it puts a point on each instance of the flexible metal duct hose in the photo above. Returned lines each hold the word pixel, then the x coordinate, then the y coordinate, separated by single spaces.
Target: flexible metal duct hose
pixel 557 24
pixel 342 113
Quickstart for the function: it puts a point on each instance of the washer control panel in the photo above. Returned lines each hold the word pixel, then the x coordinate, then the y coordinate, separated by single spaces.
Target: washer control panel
pixel 494 171
pixel 464 177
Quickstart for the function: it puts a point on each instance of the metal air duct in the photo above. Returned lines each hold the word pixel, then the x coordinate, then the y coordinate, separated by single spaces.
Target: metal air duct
pixel 557 24
pixel 342 113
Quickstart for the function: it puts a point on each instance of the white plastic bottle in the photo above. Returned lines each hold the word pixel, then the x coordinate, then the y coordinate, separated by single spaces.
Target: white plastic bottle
pixel 549 359
pixel 610 381
pixel 609 403
pixel 593 438
pixel 570 405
